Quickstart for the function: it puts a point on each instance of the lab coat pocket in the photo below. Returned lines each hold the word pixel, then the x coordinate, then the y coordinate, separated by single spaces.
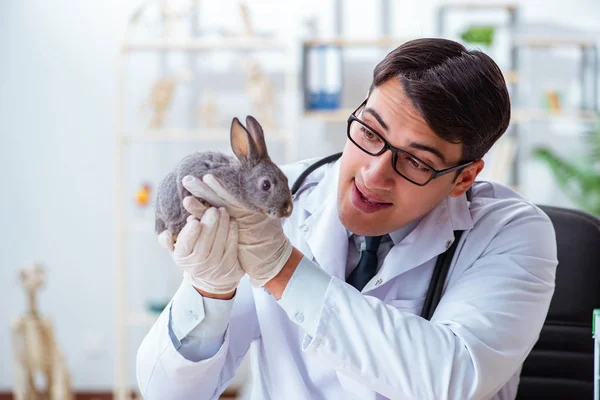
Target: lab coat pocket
pixel 413 306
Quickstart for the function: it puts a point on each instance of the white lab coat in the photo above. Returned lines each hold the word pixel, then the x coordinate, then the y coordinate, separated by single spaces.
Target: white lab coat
pixel 371 345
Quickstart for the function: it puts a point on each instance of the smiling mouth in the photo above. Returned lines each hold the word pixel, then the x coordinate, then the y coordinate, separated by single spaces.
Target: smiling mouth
pixel 365 204
pixel 367 198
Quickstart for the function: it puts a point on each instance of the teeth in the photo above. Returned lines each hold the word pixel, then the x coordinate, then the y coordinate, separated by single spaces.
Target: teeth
pixel 369 201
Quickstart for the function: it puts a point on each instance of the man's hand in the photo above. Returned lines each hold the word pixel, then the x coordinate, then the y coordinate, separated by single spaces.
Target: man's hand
pixel 263 247
pixel 206 250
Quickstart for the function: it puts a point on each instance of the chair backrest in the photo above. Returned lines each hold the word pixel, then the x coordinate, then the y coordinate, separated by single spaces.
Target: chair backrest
pixel 561 364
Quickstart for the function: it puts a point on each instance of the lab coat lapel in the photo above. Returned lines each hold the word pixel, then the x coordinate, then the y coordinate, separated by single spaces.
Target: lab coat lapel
pixel 324 232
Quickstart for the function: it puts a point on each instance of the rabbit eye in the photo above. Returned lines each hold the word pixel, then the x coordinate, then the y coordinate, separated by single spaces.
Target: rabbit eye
pixel 266 185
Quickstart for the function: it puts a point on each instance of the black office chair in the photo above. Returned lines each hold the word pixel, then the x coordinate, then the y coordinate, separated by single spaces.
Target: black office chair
pixel 561 364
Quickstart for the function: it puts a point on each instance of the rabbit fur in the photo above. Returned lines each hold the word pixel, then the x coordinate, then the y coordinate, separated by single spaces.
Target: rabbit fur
pixel 250 176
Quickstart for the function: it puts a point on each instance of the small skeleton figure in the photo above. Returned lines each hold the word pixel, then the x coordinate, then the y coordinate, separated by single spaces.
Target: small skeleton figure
pixel 35 349
pixel 208 111
pixel 160 99
pixel 261 93
pixel 162 94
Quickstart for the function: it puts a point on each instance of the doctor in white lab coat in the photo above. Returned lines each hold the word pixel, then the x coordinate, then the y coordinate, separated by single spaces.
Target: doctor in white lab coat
pixel 433 106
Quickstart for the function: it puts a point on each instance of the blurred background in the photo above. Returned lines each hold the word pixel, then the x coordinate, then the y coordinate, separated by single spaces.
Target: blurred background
pixel 100 99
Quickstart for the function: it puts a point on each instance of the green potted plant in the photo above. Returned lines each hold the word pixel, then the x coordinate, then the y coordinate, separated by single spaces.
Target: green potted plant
pixel 479 34
pixel 579 180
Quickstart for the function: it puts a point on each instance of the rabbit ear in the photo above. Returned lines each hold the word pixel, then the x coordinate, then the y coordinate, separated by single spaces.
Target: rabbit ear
pixel 257 134
pixel 242 143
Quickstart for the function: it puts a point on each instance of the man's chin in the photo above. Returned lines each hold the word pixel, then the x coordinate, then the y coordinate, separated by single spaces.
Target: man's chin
pixel 360 223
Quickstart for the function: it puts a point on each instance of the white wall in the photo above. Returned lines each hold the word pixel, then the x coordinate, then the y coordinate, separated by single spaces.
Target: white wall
pixel 57 126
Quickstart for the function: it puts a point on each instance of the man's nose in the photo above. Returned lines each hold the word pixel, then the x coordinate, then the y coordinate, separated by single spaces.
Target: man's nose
pixel 378 173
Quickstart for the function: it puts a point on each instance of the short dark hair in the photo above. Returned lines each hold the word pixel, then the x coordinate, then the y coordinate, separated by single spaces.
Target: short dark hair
pixel 460 93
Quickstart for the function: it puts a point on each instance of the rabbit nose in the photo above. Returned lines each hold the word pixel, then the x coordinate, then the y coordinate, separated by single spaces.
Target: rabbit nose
pixel 288 208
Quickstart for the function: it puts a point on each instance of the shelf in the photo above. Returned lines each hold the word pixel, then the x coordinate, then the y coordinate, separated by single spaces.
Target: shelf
pixel 548 35
pixel 188 135
pixel 243 44
pixel 548 41
pixel 482 6
pixel 344 42
pixel 532 115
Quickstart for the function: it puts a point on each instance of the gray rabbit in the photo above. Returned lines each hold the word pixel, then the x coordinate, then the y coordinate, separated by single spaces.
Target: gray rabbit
pixel 251 177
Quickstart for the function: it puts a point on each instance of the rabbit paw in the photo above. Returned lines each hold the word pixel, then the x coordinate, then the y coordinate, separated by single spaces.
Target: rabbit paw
pixel 167 240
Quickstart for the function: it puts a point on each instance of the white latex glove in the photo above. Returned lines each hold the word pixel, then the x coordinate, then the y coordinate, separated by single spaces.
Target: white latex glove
pixel 263 248
pixel 206 251
pixel 165 239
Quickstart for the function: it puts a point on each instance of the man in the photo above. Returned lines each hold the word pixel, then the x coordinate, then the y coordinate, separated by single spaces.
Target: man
pixel 325 328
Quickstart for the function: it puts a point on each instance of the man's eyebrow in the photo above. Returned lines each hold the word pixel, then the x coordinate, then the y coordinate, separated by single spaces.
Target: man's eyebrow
pixel 377 117
pixel 430 149
pixel 413 145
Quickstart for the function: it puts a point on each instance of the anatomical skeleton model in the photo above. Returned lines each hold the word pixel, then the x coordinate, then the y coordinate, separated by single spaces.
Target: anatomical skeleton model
pixel 160 99
pixel 161 96
pixel 35 349
pixel 261 92
pixel 208 111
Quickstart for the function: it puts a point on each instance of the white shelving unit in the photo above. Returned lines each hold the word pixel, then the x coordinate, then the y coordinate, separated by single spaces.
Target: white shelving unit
pixel 529 36
pixel 520 39
pixel 127 317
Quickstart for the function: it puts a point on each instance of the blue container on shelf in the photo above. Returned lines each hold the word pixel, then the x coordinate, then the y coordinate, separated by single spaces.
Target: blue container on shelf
pixel 324 101
pixel 323 77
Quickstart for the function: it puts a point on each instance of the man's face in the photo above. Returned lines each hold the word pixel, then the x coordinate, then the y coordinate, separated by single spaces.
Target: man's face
pixel 396 202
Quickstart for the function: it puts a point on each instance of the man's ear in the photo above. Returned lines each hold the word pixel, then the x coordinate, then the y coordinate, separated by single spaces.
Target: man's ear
pixel 466 178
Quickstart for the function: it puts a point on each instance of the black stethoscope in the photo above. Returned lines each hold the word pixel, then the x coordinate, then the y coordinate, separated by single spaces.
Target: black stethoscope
pixel 442 265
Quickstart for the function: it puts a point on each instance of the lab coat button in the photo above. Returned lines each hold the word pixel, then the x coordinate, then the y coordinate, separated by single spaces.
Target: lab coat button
pixel 299 317
pixel 378 282
pixel 303 228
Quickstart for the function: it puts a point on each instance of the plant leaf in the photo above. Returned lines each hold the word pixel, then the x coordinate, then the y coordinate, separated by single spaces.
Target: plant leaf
pixel 582 185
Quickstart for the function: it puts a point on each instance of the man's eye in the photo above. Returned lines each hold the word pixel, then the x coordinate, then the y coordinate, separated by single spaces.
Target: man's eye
pixel 412 163
pixel 368 134
pixel 418 165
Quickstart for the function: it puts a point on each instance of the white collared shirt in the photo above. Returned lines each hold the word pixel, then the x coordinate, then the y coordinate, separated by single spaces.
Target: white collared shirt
pixel 325 340
pixel 357 245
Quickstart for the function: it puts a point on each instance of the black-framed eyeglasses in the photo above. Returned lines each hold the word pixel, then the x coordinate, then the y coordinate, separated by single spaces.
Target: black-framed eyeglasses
pixel 405 164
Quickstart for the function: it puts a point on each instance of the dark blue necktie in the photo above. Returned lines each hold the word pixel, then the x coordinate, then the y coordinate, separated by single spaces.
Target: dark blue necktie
pixel 367 266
